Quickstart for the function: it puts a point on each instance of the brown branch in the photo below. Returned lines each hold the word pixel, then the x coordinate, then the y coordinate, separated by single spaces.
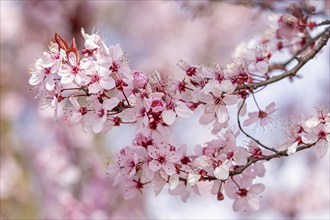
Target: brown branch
pixel 326 22
pixel 295 56
pixel 291 73
pixel 252 159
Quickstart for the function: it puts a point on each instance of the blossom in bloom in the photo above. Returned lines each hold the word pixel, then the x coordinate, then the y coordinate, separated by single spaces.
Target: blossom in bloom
pixel 261 117
pixel 99 79
pixel 113 59
pixel 178 109
pixel 258 58
pixel 97 117
pixel 213 95
pixel 162 157
pixel 244 193
pixel 319 135
pixel 73 70
pixel 76 112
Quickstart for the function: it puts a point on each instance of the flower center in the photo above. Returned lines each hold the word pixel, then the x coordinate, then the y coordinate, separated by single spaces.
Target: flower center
pixel 322 135
pixel 161 159
pixel 114 67
pixel 47 71
pixel 95 78
pixel 191 71
pixel 75 70
pixel 101 112
pixel 262 114
pixel 242 192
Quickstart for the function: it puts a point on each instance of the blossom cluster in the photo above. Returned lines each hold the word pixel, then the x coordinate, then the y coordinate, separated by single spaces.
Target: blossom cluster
pixel 101 90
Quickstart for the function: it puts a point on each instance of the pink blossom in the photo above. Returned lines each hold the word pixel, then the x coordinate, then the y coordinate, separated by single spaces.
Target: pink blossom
pixel 258 58
pixel 97 117
pixel 244 193
pixel 113 59
pixel 261 117
pixel 43 75
pixel 99 80
pixel 162 157
pixel 319 135
pixel 74 70
pixel 180 109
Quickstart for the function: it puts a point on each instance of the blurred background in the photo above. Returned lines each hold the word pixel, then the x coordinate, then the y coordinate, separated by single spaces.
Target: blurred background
pixel 51 171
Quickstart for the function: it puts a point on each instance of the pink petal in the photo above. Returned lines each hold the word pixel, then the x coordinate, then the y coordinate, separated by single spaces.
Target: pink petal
pixel 257 188
pixel 221 173
pixel 321 148
pixel 67 78
pixel 312 122
pixel 206 119
pixel 173 157
pixel 74 102
pixel 240 157
pixel 222 114
pixel 107 83
pixel 109 104
pixel 238 204
pixel 94 88
pixel 174 181
pixel 183 111
pixel 72 58
pixel 246 182
pixel 253 118
pixel 227 86
pixel 154 165
pixel 169 117
pixel 169 168
pixel 76 117
pixel 270 108
pixel 265 121
pixel 50 85
pixel 158 184
pixel 99 124
pixel 36 79
pixel 253 202
pixel 230 99
pixel 262 67
pixel 84 63
pixel 152 152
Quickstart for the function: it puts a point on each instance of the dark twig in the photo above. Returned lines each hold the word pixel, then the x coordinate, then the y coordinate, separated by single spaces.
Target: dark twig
pixel 249 136
pixel 291 73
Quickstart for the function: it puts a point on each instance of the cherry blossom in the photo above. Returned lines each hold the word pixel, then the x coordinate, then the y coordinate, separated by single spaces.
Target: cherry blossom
pixel 97 117
pixel 99 79
pixel 74 71
pixel 261 117
pixel 244 193
pixel 101 91
pixel 162 157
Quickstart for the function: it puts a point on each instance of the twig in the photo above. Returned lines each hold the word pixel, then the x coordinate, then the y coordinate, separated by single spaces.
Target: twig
pixel 252 160
pixel 249 136
pixel 323 41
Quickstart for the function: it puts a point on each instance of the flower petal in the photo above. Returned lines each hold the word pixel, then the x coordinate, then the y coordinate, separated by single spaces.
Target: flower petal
pixel 109 104
pixel 169 117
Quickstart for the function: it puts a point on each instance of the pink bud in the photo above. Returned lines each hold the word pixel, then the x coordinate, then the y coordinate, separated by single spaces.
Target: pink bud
pixel 140 80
